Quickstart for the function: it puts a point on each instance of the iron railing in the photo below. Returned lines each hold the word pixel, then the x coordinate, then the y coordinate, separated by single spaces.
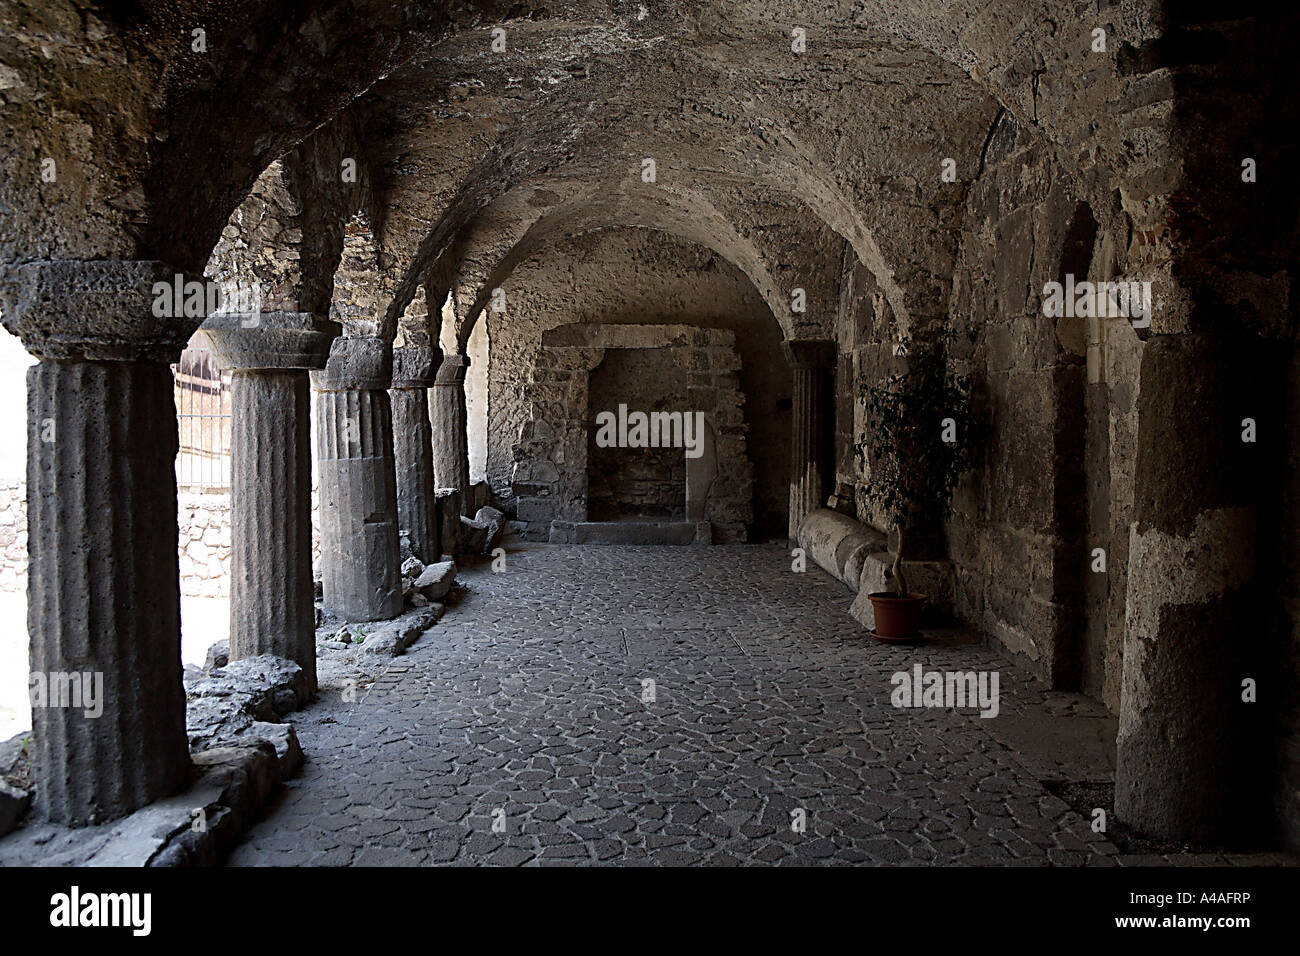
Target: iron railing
pixel 203 419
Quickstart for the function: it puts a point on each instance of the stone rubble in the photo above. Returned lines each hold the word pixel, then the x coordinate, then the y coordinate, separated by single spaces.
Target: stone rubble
pixel 15 780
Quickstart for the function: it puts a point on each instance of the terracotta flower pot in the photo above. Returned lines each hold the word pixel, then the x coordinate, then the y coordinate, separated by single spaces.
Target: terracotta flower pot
pixel 898 617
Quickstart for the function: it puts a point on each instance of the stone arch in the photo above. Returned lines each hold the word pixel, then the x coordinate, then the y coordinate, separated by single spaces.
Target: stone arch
pixel 707 228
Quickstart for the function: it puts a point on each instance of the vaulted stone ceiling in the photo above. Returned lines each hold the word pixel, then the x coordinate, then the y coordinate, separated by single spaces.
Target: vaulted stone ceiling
pixel 774 159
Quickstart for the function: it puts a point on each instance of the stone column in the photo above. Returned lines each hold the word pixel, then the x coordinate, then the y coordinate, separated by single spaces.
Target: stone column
pixel 450 444
pixel 811 363
pixel 1181 769
pixel 417 512
pixel 272 610
pixel 108 715
pixel 360 556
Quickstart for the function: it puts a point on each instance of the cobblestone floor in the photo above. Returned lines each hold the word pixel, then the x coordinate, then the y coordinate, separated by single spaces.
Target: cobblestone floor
pixel 524 708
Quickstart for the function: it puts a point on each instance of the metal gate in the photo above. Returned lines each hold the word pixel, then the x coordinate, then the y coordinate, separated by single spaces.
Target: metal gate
pixel 203 419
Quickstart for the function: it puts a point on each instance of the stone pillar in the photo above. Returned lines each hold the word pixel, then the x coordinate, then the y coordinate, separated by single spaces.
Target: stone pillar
pixel 360 556
pixel 108 715
pixel 450 506
pixel 700 473
pixel 272 610
pixel 450 444
pixel 811 363
pixel 1189 619
pixel 417 512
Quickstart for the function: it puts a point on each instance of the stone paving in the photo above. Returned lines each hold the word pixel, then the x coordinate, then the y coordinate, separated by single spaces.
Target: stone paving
pixel 519 730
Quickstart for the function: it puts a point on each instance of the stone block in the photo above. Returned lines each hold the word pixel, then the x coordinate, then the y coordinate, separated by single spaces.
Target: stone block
pixel 436 580
pixel 495 522
pixel 392 638
pixel 535 509
pixel 449 511
pixel 473 536
pixel 14 803
pixel 283 677
pixel 838 544
pixel 285 741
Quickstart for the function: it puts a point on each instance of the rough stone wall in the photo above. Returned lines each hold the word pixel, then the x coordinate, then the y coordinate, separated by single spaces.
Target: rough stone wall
pixel 641 277
pixel 635 482
pixel 1054 401
pixel 299 235
pixel 1016 532
pixel 13 536
pixel 864 338
pixel 261 242
pixel 550 475
pixel 203 545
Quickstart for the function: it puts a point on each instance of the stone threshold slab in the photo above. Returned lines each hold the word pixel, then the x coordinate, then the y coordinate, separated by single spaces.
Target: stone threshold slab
pixel 677 533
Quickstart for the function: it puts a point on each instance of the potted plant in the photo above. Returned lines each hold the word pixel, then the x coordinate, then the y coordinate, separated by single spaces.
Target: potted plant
pixel 917 444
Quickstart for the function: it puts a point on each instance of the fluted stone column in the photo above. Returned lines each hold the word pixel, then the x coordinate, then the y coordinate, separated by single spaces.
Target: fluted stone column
pixel 108 715
pixel 272 610
pixel 417 511
pixel 450 443
pixel 811 363
pixel 360 554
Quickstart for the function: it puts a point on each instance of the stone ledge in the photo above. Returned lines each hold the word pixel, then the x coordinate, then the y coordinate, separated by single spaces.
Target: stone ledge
pixel 194 828
pixel 392 638
pixel 225 702
pixel 677 533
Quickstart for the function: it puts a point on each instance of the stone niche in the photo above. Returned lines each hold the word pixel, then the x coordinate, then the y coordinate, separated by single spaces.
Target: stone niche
pixel 635 483
pixel 561 476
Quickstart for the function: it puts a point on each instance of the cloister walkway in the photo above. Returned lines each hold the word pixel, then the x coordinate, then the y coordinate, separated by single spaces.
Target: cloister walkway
pixel 524 729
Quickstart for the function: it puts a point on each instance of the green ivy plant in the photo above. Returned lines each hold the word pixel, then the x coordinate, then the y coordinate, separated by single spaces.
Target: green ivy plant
pixel 913 469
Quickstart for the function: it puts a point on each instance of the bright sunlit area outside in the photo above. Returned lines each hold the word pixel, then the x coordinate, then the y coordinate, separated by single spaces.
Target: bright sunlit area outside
pixel 205 606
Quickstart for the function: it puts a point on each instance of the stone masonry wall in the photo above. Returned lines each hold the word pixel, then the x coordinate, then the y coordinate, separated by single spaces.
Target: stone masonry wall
pixel 550 477
pixel 13 536
pixel 203 542
pixel 1055 400
pixel 633 276
pixel 635 482
pixel 1053 481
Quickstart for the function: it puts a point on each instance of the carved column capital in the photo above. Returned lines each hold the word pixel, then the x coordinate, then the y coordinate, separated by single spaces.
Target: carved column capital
pixel 363 363
pixel 100 310
pixel 270 340
pixel 807 354
pixel 415 366
pixel 452 370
